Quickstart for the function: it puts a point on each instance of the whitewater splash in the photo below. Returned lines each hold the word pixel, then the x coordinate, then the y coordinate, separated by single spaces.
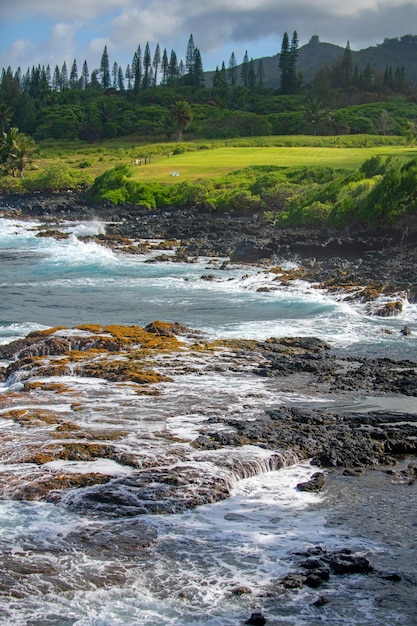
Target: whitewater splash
pixel 64 567
pixel 48 282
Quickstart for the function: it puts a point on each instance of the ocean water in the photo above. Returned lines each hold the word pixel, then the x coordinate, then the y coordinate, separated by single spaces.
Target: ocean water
pixel 249 539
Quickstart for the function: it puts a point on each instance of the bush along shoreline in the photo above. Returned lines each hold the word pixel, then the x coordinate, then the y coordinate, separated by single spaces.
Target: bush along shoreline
pixel 380 192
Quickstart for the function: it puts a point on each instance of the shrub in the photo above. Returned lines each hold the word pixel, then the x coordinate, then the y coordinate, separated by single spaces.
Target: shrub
pixel 57 177
pixel 111 185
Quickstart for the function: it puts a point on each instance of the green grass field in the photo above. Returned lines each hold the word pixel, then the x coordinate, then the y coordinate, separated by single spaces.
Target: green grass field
pixel 220 161
pixel 200 160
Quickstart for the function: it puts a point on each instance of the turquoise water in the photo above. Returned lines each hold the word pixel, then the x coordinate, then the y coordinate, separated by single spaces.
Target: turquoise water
pixel 45 282
pixel 247 540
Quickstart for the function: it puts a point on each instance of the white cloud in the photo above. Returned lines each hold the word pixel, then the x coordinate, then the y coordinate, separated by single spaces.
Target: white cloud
pixel 59 47
pixel 162 21
pixel 219 26
pixel 21 48
pixel 59 9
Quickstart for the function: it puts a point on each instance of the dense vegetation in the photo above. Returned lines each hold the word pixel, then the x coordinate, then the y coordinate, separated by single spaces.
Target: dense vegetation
pixel 159 99
pixel 380 191
pixel 256 97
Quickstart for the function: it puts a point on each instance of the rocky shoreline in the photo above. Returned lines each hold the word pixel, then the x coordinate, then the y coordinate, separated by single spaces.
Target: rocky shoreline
pixel 135 356
pixel 361 265
pixel 160 472
pixel 45 407
pixel 383 259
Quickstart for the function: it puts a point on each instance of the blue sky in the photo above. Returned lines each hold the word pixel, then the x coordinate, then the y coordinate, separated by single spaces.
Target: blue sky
pixel 51 31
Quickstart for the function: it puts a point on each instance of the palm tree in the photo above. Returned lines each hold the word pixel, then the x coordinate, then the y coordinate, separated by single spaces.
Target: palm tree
pixel 314 113
pixel 17 151
pixel 7 141
pixel 24 151
pixel 182 115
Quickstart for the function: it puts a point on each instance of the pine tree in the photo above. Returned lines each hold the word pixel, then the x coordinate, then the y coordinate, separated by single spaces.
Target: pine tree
pixel 74 76
pixel 292 64
pixel 244 70
pixel 198 72
pixel 115 74
pixel 190 60
pixel 120 79
pixel 137 70
pixel 64 76
pixel 288 64
pixel 232 69
pixel 129 77
pixel 173 72
pixel 26 80
pixel 251 75
pixel 18 76
pixel 165 67
pixel 223 74
pixel 147 67
pixel 94 82
pixel 347 66
pixel 220 81
pixel 156 63
pixel 35 81
pixel 56 79
pixel 85 76
pixel 105 70
pixel 283 62
pixel 48 75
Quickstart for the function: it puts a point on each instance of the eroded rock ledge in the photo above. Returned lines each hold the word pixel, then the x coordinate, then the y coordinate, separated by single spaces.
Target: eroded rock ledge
pixel 60 432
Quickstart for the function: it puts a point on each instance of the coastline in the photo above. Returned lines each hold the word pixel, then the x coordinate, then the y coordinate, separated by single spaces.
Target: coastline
pixel 383 258
pixel 117 424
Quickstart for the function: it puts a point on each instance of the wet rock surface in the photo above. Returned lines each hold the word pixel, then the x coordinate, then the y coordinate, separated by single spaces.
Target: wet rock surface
pixel 384 258
pixel 176 475
pixel 59 443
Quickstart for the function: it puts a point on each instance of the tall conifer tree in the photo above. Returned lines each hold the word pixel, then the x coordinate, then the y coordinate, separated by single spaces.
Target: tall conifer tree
pixel 85 76
pixel 156 63
pixel 165 67
pixel 147 67
pixel 198 72
pixel 190 60
pixel 232 69
pixel 244 70
pixel 115 74
pixel 105 70
pixel 64 76
pixel 137 70
pixel 74 76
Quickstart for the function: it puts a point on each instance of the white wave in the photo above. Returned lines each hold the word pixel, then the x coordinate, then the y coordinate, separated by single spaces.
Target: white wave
pixel 14 233
pixel 98 466
pixel 86 229
pixel 10 332
pixel 72 252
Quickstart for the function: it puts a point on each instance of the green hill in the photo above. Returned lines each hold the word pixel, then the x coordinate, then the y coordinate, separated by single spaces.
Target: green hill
pixel 398 52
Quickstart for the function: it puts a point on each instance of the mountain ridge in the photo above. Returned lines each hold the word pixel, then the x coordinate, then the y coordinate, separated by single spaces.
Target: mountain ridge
pixel 316 55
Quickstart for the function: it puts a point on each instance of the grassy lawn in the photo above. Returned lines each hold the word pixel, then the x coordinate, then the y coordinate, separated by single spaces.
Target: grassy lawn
pixel 219 161
pixel 201 160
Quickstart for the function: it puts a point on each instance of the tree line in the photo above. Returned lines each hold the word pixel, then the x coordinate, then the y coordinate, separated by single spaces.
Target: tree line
pixel 158 97
pixel 146 70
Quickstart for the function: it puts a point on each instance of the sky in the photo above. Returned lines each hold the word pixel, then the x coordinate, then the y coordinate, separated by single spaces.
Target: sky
pixel 46 32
